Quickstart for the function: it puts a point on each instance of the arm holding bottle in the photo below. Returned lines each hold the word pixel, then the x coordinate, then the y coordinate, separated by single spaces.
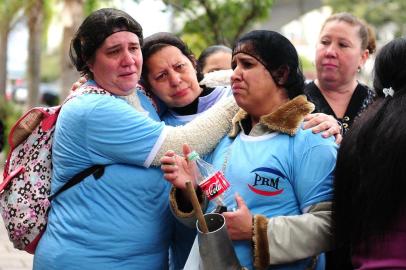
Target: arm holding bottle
pixel 177 170
pixel 308 234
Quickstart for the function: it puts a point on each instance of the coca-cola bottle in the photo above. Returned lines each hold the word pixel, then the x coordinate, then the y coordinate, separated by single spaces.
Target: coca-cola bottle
pixel 212 182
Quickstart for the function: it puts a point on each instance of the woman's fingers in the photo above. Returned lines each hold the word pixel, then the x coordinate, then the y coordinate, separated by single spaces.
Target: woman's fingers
pixel 320 122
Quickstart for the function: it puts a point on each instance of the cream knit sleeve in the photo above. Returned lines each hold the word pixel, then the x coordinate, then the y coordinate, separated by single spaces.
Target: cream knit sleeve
pixel 203 133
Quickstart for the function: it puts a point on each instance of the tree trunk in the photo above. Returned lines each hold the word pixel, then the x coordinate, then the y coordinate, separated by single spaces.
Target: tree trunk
pixel 35 29
pixel 3 61
pixel 73 15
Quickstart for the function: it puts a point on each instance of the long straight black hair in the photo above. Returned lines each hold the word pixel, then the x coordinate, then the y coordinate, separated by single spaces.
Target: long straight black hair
pixel 370 176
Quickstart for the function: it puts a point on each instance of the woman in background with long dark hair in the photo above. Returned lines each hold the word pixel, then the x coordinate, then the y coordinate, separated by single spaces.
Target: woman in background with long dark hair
pixel 369 201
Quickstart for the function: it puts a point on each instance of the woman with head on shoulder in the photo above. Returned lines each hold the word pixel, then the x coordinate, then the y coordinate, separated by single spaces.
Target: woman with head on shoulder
pixel 170 72
pixel 369 201
pixel 282 173
pixel 345 43
pixel 122 219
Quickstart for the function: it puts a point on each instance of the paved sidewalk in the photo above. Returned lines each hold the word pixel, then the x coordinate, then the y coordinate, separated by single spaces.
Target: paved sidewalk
pixel 10 258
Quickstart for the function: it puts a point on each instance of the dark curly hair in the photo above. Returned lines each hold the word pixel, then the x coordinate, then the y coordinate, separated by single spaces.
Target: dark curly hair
pixel 94 30
pixel 156 42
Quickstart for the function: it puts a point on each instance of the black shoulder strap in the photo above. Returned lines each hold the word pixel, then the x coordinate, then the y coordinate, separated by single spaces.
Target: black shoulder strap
pixel 96 170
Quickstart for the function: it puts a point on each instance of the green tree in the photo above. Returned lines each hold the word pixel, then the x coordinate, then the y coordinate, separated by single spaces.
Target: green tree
pixel 376 12
pixel 73 13
pixel 35 20
pixel 9 15
pixel 39 14
pixel 217 22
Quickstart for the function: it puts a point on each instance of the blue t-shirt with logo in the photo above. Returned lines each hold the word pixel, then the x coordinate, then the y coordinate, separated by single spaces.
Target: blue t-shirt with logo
pixel 276 175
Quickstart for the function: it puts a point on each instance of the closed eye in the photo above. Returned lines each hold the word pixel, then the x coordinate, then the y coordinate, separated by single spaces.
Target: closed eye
pixel 325 42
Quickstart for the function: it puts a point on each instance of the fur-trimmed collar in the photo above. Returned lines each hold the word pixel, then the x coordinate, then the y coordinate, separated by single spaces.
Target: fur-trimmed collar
pixel 286 119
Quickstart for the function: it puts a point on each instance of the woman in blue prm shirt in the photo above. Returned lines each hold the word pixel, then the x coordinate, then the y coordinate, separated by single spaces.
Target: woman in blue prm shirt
pixel 282 173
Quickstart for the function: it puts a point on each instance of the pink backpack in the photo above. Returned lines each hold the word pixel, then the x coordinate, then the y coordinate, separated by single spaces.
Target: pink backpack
pixel 25 190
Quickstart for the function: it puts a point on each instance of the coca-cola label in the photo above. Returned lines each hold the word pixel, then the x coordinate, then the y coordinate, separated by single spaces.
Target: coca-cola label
pixel 215 185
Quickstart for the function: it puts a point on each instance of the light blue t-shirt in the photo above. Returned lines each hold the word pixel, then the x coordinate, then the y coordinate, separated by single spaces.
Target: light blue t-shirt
pixel 276 175
pixel 122 220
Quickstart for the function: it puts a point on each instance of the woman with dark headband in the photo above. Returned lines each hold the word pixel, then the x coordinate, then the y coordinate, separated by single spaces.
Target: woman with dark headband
pixel 282 173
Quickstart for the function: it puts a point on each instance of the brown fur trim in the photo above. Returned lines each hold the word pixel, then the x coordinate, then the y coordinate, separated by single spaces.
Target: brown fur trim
pixel 173 200
pixel 286 119
pixel 181 207
pixel 260 242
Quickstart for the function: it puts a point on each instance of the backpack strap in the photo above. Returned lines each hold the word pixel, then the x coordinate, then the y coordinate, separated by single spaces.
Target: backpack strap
pixel 96 170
